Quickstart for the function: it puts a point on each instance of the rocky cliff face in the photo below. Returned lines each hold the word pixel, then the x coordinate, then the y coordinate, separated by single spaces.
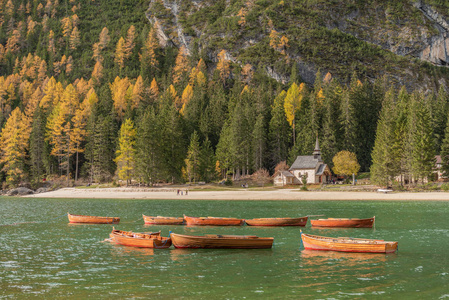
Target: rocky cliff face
pixel 437 47
pixel 406 28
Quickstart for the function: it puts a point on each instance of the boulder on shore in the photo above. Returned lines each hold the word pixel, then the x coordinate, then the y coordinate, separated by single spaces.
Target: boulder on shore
pixel 20 191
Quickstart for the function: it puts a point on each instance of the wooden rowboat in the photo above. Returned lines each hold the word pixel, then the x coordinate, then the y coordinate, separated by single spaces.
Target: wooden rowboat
pixel 277 221
pixel 217 241
pixel 213 221
pixel 334 222
pixel 163 220
pixel 92 219
pixel 347 244
pixel 141 240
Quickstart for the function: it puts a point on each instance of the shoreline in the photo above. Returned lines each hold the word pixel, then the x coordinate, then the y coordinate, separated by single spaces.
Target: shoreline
pixel 238 195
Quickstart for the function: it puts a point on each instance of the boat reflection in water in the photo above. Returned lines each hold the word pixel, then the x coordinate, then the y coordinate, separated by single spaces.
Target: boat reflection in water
pixel 316 257
pixel 120 250
pixel 343 268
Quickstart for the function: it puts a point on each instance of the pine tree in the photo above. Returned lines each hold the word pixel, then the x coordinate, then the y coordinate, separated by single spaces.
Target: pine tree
pixel 259 143
pixel 215 113
pixel 193 158
pixel 39 149
pixel 207 162
pixel 148 154
pixel 439 108
pixel 125 158
pixel 279 132
pixel 386 153
pixel 422 154
pixel 172 145
pixel 445 152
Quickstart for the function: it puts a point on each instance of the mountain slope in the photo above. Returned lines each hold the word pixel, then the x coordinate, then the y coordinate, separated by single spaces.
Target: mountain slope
pixel 401 39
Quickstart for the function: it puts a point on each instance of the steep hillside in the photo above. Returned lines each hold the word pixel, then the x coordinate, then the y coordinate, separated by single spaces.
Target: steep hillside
pixel 401 38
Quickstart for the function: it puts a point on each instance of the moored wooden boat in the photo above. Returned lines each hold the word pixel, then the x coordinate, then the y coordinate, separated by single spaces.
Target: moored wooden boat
pixel 213 221
pixel 344 222
pixel 347 244
pixel 217 241
pixel 277 221
pixel 159 220
pixel 141 240
pixel 92 219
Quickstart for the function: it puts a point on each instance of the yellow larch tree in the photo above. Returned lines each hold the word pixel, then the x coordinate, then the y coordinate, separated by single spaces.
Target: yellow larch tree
pixel 2 52
pixel 148 55
pixel 26 89
pixel 292 103
pixel 247 73
pixel 242 13
pixel 119 57
pixel 223 65
pixel 61 128
pixel 48 7
pixel 201 79
pixel 97 73
pixel 119 89
pixel 187 94
pixel 174 96
pixel 51 42
pixel 33 103
pixel 40 9
pixel 66 26
pixel 154 90
pixel 104 38
pixel 79 131
pixel 82 87
pixel 52 94
pixel 96 52
pixel 130 41
pixel 75 20
pixel 181 66
pixel 137 94
pixel 192 76
pixel 125 155
pixel 14 142
pixel 31 25
pixel 12 44
pixel 75 38
pixel 327 78
pixel 9 8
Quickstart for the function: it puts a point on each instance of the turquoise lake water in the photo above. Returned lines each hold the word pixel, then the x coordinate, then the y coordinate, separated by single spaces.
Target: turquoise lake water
pixel 50 258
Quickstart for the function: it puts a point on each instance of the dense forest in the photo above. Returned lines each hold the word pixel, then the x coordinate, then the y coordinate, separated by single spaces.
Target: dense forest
pixel 89 91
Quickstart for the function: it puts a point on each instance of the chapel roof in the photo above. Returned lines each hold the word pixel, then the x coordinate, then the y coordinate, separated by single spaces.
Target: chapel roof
pixel 306 162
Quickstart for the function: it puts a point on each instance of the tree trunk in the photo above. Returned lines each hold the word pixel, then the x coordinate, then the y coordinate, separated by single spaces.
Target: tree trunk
pixel 68 165
pixel 76 168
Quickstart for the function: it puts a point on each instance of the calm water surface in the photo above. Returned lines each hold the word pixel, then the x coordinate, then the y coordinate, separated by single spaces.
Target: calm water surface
pixel 50 258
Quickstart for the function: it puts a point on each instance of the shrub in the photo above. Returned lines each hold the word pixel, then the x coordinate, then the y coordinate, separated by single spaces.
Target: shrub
pixel 228 182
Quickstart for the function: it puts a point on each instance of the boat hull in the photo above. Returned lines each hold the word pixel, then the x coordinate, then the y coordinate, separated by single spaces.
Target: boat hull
pixel 313 242
pixel 162 220
pixel 92 219
pixel 348 223
pixel 220 242
pixel 212 221
pixel 277 222
pixel 140 240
